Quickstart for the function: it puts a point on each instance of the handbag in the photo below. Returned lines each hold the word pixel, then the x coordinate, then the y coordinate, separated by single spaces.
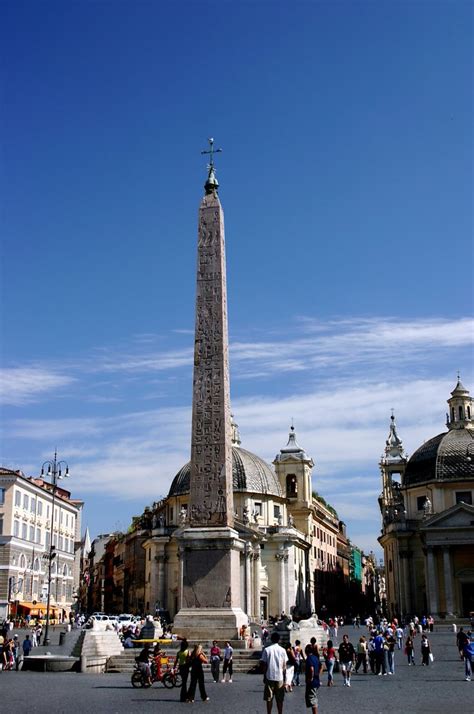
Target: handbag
pixel 431 657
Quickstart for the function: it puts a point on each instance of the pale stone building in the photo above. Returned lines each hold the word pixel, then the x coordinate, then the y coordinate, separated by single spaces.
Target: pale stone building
pixel 26 524
pixel 428 517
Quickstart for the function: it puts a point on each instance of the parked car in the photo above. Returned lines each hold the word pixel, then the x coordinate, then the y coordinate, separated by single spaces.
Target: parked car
pixel 125 619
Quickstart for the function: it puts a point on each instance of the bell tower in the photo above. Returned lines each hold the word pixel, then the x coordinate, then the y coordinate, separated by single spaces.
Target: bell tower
pixel 460 408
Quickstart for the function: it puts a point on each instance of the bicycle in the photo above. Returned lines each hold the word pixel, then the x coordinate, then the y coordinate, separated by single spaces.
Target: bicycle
pixel 166 674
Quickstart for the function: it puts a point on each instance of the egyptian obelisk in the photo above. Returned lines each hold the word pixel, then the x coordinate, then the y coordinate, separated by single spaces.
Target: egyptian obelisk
pixel 209 547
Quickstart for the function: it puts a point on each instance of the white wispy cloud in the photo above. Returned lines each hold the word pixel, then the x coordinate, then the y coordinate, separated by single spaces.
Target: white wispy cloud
pixel 22 385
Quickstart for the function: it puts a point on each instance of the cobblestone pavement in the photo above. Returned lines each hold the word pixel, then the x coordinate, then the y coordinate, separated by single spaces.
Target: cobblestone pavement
pixel 413 690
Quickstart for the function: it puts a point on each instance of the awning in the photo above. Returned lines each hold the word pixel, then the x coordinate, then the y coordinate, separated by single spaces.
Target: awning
pixel 34 608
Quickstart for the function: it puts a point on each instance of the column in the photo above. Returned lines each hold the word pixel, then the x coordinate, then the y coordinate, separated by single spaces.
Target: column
pixel 248 581
pixel 161 578
pixel 448 583
pixel 280 557
pixel 287 583
pixel 180 577
pixel 432 581
pixel 256 582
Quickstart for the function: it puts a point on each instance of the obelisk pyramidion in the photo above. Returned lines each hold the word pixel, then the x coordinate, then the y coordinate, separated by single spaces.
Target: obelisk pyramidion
pixel 209 547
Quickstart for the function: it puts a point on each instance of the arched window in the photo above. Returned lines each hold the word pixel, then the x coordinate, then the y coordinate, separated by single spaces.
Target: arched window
pixel 22 562
pixel 452 413
pixel 291 486
pixel 469 412
pixel 53 568
pixel 36 564
pixel 460 412
pixel 65 571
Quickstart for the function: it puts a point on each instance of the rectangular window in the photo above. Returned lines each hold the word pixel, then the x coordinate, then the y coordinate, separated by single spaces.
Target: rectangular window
pixel 24 531
pixel 2 495
pixel 40 508
pixel 47 511
pixel 38 535
pixel 32 534
pixel 33 505
pixel 61 543
pixel 16 528
pixel 464 497
pixel 1 524
pixel 25 501
pixel 257 508
pixel 420 502
pixel 61 517
pixel 17 498
pixel 47 539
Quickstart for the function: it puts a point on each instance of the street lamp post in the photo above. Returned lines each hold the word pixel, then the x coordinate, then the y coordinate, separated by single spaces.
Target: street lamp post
pixel 55 472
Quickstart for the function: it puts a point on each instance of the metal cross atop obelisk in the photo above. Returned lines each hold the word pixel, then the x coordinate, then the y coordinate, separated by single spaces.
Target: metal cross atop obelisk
pixel 208 546
pixel 212 183
pixel 211 151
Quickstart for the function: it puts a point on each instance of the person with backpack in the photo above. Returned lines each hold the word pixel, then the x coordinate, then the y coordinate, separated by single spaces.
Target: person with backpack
pixel 313 669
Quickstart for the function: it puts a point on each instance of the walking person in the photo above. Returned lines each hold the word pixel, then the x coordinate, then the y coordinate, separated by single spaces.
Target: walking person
pixel 290 668
pixel 399 635
pixel 461 639
pixel 197 659
pixel 389 653
pixel 379 655
pixel 182 662
pixel 409 651
pixel 425 651
pixel 371 653
pixel 347 657
pixel 313 669
pixel 330 659
pixel 468 653
pixel 273 664
pixel 228 654
pixel 216 658
pixel 298 654
pixel 361 655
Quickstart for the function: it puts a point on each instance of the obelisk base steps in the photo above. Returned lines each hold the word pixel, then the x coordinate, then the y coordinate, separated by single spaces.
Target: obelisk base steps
pixel 210 584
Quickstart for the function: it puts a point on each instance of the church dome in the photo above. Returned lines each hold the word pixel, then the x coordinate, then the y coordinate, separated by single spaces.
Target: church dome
pixel 445 457
pixel 250 474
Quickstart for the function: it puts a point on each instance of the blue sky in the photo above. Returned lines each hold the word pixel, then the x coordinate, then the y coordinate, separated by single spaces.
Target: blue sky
pixel 346 180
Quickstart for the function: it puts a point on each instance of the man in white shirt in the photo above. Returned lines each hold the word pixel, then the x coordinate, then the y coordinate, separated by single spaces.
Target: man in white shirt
pixel 274 660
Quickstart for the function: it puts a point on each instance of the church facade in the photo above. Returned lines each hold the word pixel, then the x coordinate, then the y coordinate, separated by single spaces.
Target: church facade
pixel 428 518
pixel 287 535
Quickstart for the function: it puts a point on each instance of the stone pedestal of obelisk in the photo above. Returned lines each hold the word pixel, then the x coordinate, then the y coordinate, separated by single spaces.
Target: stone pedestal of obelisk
pixel 208 546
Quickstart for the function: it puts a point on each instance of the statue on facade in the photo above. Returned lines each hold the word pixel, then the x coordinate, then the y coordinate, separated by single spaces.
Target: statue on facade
pixel 427 507
pixel 183 516
pixel 245 515
pixel 291 521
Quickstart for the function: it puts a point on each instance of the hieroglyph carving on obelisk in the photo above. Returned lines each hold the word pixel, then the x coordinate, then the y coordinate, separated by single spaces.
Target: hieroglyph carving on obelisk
pixel 211 495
